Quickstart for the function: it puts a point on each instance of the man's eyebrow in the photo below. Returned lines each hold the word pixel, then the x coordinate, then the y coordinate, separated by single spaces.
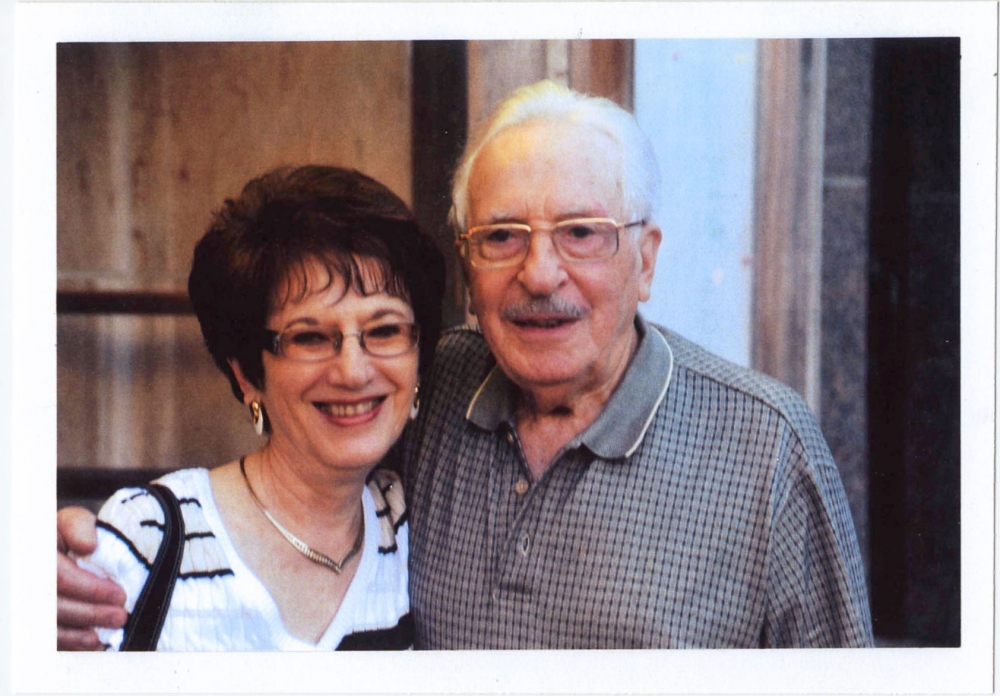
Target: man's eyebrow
pixel 577 214
pixel 504 219
pixel 574 214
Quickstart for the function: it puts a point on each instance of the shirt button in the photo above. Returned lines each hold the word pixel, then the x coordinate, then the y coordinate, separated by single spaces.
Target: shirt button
pixel 521 487
pixel 525 545
pixel 496 595
pixel 510 437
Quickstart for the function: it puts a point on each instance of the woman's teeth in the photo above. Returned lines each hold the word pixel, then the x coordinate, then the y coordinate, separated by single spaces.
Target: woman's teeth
pixel 348 410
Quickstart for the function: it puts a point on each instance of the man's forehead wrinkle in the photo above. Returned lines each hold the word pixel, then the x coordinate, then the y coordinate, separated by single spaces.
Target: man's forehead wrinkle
pixel 582 177
pixel 559 211
pixel 504 213
pixel 552 210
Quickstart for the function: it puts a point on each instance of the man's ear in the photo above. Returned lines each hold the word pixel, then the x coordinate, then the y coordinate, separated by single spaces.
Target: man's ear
pixel 250 392
pixel 649 245
pixel 470 306
pixel 463 264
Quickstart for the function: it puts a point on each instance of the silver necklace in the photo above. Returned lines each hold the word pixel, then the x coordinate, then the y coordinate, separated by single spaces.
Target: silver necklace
pixel 301 546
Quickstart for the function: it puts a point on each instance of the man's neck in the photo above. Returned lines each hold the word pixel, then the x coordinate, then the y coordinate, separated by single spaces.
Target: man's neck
pixel 544 434
pixel 549 417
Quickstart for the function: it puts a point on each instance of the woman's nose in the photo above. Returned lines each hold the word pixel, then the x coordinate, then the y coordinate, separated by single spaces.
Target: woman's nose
pixel 352 366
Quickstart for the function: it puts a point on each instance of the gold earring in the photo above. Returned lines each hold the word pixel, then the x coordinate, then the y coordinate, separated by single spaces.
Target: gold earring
pixel 257 413
pixel 415 408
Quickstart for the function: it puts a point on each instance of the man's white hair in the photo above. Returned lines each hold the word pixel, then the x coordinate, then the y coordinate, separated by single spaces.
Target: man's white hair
pixel 547 101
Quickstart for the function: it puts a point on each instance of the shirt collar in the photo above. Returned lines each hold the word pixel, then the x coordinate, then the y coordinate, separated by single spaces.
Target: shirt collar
pixel 619 429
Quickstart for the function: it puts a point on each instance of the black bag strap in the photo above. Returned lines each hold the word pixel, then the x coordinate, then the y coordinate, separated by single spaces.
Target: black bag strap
pixel 142 630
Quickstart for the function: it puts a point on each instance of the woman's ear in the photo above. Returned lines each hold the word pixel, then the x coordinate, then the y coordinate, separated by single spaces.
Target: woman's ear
pixel 250 392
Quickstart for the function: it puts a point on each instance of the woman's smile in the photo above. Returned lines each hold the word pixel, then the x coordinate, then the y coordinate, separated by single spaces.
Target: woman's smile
pixel 351 413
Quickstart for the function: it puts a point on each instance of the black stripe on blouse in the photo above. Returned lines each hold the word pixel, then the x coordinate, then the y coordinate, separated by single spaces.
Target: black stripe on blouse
pixel 125 540
pixel 187 537
pixel 196 574
pixel 142 559
pixel 399 637
pixel 181 501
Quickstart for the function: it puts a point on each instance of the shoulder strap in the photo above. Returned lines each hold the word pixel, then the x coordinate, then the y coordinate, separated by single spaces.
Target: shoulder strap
pixel 390 506
pixel 142 630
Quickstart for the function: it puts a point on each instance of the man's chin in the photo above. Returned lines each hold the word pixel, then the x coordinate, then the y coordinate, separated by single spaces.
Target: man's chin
pixel 541 372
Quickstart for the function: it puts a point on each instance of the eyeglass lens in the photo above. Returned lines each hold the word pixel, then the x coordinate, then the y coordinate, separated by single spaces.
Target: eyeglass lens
pixel 315 343
pixel 576 240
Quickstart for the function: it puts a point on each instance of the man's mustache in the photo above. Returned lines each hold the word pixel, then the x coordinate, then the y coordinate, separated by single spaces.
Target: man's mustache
pixel 544 306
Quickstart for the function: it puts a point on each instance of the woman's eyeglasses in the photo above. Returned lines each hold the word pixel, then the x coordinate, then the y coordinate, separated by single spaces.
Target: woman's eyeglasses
pixel 313 343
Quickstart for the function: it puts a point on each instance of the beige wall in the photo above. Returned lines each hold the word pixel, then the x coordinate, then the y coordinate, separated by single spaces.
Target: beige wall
pixel 496 68
pixel 151 138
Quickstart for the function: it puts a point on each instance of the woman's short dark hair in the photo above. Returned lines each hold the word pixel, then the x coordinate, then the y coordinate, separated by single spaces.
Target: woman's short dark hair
pixel 259 241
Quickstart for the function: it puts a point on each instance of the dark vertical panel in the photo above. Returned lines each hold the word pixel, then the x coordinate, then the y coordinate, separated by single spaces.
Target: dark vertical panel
pixel 914 342
pixel 887 378
pixel 844 363
pixel 440 115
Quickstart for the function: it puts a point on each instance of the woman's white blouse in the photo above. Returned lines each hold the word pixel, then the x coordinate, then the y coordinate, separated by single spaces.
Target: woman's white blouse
pixel 219 604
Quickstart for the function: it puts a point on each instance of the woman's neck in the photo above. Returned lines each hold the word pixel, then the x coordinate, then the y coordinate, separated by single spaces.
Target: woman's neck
pixel 304 495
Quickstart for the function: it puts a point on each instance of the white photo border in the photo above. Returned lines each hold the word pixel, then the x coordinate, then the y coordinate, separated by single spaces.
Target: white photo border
pixel 37 667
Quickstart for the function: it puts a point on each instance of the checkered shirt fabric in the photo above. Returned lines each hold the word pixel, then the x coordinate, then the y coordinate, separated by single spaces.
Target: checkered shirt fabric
pixel 701 509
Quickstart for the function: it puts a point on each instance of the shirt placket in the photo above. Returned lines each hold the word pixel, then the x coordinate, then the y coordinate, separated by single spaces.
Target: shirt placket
pixel 519 502
pixel 510 491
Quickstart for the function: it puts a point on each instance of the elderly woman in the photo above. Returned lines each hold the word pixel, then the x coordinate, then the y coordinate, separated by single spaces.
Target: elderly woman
pixel 319 299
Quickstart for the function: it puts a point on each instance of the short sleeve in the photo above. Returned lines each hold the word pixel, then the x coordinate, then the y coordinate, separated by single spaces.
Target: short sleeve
pixel 816 592
pixel 129 532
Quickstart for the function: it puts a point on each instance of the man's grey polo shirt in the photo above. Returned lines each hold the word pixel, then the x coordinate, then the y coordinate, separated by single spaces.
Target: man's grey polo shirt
pixel 701 509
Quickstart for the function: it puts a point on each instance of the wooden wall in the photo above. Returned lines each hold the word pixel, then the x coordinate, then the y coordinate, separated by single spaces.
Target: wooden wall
pixel 788 229
pixel 151 138
pixel 496 68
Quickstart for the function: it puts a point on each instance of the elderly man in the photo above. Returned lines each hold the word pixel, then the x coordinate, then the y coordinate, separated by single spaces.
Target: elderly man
pixel 579 478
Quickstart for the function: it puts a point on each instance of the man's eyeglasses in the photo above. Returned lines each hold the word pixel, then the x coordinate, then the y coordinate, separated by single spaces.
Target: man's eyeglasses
pixel 506 244
pixel 314 343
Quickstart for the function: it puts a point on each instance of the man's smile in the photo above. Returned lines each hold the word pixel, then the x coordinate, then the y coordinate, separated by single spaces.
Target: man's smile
pixel 543 322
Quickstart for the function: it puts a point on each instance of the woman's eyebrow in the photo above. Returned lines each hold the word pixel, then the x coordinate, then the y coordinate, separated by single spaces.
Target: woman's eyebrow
pixel 374 316
pixel 308 321
pixel 387 311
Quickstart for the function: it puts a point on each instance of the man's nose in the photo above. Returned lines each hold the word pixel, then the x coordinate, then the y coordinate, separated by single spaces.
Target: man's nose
pixel 543 270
